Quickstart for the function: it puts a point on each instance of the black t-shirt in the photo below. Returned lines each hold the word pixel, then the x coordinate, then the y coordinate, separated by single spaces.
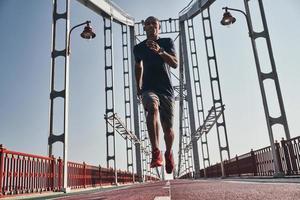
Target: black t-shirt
pixel 156 73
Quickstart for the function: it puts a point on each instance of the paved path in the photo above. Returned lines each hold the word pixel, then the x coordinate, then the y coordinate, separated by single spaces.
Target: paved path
pixel 136 192
pixel 234 190
pixel 211 189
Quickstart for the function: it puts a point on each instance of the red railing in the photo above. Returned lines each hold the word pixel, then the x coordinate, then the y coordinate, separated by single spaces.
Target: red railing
pixel 260 162
pixel 290 156
pixel 26 173
pixel 264 161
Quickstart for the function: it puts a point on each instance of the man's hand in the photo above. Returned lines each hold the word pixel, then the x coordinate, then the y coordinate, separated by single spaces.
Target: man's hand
pixel 153 46
pixel 169 58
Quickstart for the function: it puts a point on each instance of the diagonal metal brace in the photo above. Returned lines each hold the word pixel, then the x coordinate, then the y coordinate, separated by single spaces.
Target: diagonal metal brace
pixel 210 120
pixel 115 121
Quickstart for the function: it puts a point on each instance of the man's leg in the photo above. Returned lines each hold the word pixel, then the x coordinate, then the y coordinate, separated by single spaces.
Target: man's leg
pixel 166 117
pixel 169 138
pixel 152 126
pixel 169 158
pixel 151 105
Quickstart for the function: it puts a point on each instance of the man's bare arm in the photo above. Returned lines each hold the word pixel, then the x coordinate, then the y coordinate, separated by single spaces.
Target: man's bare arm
pixel 138 76
pixel 169 58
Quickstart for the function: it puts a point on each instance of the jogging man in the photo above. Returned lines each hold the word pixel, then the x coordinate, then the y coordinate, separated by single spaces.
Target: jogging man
pixel 154 57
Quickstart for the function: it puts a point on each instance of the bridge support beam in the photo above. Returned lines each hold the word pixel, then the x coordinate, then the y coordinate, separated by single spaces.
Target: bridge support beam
pixel 273 76
pixel 135 108
pixel 215 87
pixel 189 96
pixel 63 93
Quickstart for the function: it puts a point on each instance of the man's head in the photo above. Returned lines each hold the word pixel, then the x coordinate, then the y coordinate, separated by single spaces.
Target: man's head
pixel 152 27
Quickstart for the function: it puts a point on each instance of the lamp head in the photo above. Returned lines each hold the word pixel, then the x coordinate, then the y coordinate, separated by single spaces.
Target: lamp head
pixel 88 32
pixel 227 18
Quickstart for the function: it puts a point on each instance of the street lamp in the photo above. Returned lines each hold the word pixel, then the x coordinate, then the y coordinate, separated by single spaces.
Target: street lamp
pixel 87 34
pixel 229 19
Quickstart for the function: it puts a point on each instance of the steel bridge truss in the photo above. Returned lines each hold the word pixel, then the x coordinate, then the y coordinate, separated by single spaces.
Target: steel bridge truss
pixel 110 13
pixel 188 161
pixel 215 86
pixel 218 118
pixel 63 92
pixel 185 162
pixel 186 25
pixel 210 120
pixel 116 122
pixel 127 96
pixel 270 76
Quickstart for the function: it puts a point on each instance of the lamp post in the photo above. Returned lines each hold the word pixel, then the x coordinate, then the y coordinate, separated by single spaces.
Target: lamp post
pixel 228 19
pixel 282 120
pixel 86 34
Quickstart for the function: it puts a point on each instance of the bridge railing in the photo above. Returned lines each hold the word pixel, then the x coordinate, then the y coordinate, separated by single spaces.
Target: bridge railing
pixel 260 162
pixel 22 173
pixel 26 173
pixel 290 156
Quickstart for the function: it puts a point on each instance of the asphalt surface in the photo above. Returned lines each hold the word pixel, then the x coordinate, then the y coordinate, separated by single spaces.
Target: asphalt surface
pixel 234 190
pixel 211 189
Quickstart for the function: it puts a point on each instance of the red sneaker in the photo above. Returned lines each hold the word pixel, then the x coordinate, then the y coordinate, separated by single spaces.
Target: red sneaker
pixel 157 160
pixel 169 162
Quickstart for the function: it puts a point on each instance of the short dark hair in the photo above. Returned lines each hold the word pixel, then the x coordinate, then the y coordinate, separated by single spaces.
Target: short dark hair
pixel 152 18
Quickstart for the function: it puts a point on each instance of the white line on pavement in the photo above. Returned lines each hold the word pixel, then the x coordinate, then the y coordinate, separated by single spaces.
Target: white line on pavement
pixel 167 186
pixel 162 198
pixel 168 183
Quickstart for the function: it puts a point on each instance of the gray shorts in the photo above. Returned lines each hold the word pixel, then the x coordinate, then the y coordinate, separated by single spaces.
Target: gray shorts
pixel 165 104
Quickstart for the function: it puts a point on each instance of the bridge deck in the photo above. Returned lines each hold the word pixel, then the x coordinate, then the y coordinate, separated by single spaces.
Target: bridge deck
pixel 211 189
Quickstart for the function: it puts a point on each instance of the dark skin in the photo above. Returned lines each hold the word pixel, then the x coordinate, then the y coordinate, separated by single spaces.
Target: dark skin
pixel 152 27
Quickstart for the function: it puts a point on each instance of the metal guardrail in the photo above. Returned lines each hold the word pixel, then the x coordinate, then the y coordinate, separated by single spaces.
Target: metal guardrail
pixel 260 162
pixel 22 173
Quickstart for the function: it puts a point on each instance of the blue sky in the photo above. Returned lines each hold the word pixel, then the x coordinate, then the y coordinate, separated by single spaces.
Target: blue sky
pixel 25 40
